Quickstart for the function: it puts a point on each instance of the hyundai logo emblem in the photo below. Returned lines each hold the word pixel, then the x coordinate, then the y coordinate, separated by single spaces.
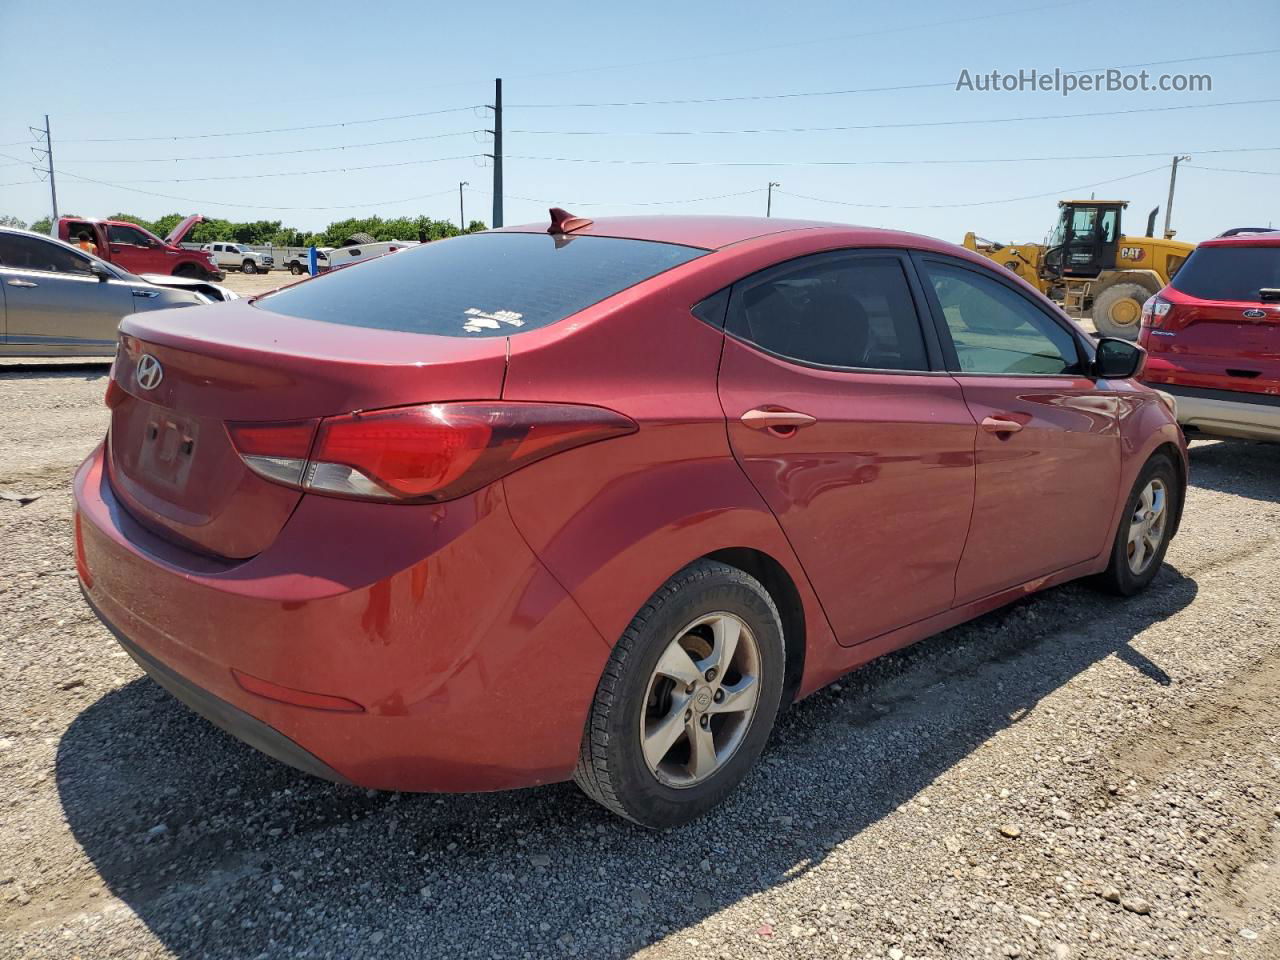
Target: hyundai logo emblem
pixel 1255 314
pixel 149 372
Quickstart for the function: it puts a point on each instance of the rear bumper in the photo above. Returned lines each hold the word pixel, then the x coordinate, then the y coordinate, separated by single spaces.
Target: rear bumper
pixel 1227 413
pixel 220 713
pixel 473 668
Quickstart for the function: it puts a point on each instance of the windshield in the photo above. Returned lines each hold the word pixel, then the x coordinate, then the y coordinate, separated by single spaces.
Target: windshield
pixel 479 285
pixel 1229 272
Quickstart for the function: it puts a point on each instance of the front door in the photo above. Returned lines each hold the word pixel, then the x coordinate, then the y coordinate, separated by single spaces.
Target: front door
pixel 53 303
pixel 1048 447
pixel 137 251
pixel 859 445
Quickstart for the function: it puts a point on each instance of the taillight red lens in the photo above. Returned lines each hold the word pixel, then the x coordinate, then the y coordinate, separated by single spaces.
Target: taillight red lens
pixel 1155 310
pixel 428 452
pixel 406 452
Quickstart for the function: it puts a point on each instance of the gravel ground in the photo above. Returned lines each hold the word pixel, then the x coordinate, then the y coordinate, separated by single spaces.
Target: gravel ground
pixel 1077 776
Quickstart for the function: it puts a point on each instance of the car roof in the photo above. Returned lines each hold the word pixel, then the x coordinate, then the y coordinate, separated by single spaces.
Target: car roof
pixel 1245 240
pixel 714 233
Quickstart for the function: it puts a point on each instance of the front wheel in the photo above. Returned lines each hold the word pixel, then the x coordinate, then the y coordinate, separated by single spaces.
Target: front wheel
pixel 249 267
pixel 687 700
pixel 1146 526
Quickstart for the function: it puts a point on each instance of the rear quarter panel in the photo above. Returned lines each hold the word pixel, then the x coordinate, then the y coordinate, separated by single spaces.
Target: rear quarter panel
pixel 613 521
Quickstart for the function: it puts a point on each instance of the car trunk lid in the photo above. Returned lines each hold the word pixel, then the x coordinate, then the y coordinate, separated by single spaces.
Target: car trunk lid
pixel 182 375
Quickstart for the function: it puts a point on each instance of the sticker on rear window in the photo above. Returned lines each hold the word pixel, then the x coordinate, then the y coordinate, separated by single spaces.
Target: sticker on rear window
pixel 479 320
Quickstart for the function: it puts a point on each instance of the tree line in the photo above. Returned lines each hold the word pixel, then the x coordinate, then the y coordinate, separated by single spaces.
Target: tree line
pixel 275 233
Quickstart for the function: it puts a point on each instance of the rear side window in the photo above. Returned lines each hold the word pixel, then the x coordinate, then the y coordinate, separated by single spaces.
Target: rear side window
pixel 33 253
pixel 479 285
pixel 833 310
pixel 1229 273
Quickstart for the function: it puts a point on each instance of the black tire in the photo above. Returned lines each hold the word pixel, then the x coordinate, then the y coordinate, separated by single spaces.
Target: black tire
pixel 190 271
pixel 611 767
pixel 296 269
pixel 1117 310
pixel 249 267
pixel 1120 577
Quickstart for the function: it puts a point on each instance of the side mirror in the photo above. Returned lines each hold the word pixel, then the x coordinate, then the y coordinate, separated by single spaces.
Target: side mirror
pixel 99 271
pixel 1118 359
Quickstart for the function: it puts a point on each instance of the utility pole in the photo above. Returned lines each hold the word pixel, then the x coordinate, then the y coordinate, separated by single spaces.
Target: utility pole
pixel 48 152
pixel 462 216
pixel 496 156
pixel 768 204
pixel 1168 207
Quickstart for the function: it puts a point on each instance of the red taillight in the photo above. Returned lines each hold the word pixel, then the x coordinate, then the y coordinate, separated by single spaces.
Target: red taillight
pixel 115 394
pixel 428 452
pixel 82 563
pixel 1154 311
pixel 275 450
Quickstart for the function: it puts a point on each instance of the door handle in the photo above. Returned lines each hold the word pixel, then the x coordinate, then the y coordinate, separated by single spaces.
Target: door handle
pixel 1000 424
pixel 779 422
pixel 22 283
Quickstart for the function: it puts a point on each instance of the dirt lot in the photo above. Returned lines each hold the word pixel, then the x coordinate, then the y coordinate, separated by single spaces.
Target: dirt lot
pixel 1077 776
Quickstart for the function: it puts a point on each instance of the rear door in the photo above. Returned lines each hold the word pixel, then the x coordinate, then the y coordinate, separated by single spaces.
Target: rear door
pixel 862 447
pixel 53 301
pixel 1048 443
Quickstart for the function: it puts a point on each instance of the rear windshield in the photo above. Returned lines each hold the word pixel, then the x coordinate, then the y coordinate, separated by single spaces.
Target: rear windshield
pixel 1229 273
pixel 479 285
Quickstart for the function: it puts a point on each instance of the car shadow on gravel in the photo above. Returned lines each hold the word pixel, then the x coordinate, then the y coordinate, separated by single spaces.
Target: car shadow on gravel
pixel 222 852
pixel 1241 467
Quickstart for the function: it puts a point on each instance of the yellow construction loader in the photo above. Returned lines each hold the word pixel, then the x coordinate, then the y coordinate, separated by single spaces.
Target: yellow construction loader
pixel 1089 266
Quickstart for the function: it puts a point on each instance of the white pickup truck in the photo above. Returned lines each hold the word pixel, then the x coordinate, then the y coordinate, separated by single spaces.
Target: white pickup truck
pixel 236 256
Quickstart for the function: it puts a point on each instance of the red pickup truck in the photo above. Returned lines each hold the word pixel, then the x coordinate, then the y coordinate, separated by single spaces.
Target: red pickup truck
pixel 139 251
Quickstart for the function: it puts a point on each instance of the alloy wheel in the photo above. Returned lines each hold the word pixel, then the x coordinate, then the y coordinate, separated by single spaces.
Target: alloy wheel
pixel 1147 525
pixel 701 699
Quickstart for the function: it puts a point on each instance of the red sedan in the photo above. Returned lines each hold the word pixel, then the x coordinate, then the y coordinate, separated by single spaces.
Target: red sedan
pixel 598 501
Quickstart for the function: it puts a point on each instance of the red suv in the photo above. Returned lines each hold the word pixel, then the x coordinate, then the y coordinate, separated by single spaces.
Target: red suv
pixel 1213 337
pixel 513 507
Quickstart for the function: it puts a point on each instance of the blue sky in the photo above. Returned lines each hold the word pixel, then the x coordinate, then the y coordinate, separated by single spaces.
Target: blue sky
pixel 143 70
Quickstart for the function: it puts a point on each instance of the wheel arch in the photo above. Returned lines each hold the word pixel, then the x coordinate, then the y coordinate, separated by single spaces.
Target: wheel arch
pixel 1171 451
pixel 782 588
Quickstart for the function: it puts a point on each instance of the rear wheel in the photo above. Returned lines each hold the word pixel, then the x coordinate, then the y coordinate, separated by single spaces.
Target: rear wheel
pixel 296 269
pixel 1145 528
pixel 1117 311
pixel 249 267
pixel 687 700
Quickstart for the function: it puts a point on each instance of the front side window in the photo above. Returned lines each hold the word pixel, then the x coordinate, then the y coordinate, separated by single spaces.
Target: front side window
pixel 117 233
pixel 834 311
pixel 997 330
pixel 480 284
pixel 33 253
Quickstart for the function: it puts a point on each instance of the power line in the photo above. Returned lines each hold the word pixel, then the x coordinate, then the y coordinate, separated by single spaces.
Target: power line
pixel 253 133
pixel 1260 173
pixel 250 206
pixel 302 173
pixel 904 28
pixel 19 183
pixel 975 203
pixel 857 90
pixel 894 126
pixel 621 203
pixel 864 163
pixel 279 153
